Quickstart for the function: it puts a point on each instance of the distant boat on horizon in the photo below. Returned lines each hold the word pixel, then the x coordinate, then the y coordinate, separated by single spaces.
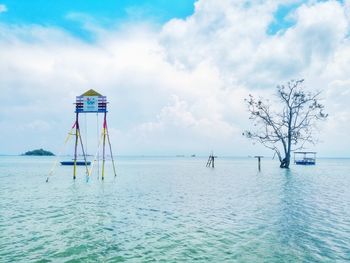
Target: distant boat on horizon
pixel 77 163
pixel 308 158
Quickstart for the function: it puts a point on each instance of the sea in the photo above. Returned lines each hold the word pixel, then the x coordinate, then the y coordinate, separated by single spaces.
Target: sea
pixel 175 209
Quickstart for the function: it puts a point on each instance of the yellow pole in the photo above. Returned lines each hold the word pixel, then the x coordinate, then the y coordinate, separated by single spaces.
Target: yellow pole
pixel 76 146
pixel 104 147
pixel 59 154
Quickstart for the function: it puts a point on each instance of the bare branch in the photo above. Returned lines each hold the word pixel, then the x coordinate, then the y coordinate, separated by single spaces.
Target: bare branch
pixel 292 126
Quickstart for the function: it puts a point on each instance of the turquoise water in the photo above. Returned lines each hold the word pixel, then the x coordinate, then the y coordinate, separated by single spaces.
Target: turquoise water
pixel 175 210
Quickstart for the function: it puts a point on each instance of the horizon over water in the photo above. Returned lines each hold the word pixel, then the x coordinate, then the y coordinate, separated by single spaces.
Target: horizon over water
pixel 174 209
pixel 267 157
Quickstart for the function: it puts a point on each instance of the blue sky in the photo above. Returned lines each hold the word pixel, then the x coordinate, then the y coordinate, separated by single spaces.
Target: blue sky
pixel 106 13
pixel 282 20
pixel 110 13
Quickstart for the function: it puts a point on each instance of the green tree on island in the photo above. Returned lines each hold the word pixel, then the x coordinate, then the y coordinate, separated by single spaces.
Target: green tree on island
pixel 39 152
pixel 289 128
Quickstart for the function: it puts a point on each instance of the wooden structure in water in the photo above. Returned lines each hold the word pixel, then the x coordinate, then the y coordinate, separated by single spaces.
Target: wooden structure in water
pixel 259 161
pixel 305 158
pixel 211 160
pixel 89 102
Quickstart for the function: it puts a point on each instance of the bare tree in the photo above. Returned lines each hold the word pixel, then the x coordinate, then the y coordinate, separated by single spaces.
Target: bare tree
pixel 292 126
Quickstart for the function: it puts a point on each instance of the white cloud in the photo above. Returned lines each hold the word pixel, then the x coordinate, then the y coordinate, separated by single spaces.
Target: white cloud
pixel 3 8
pixel 180 89
pixel 233 37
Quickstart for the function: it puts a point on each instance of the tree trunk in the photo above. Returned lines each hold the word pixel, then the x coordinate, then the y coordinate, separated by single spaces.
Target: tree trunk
pixel 285 162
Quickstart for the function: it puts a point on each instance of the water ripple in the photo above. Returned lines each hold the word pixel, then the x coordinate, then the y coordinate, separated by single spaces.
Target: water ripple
pixel 176 210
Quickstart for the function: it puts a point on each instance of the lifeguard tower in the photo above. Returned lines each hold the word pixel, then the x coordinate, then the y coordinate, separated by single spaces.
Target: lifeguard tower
pixel 89 102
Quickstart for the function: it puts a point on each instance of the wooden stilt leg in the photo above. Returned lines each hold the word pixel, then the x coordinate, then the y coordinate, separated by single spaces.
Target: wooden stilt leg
pixel 104 147
pixel 83 151
pixel 76 145
pixel 110 149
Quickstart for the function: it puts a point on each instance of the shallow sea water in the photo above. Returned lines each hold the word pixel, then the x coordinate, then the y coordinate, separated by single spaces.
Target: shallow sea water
pixel 175 210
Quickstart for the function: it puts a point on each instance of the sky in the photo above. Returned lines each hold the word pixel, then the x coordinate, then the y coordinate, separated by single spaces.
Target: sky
pixel 175 72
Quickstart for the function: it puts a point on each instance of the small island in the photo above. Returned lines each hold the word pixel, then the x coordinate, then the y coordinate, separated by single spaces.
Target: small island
pixel 38 152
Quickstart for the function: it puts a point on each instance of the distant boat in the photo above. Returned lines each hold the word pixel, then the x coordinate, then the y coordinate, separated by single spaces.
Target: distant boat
pixel 307 158
pixel 306 161
pixel 77 163
pixel 193 155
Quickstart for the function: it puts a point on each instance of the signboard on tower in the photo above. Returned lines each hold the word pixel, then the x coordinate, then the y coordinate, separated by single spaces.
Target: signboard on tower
pixel 91 101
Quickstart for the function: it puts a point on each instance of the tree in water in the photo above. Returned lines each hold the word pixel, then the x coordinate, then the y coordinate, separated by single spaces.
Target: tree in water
pixel 289 128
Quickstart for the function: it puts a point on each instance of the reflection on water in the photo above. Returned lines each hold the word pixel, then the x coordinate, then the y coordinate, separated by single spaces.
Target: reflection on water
pixel 175 210
pixel 293 221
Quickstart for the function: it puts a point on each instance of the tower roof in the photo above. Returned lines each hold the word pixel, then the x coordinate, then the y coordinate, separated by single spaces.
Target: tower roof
pixel 91 92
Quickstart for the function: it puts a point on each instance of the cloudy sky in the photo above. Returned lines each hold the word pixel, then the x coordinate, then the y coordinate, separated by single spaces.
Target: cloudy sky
pixel 176 72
